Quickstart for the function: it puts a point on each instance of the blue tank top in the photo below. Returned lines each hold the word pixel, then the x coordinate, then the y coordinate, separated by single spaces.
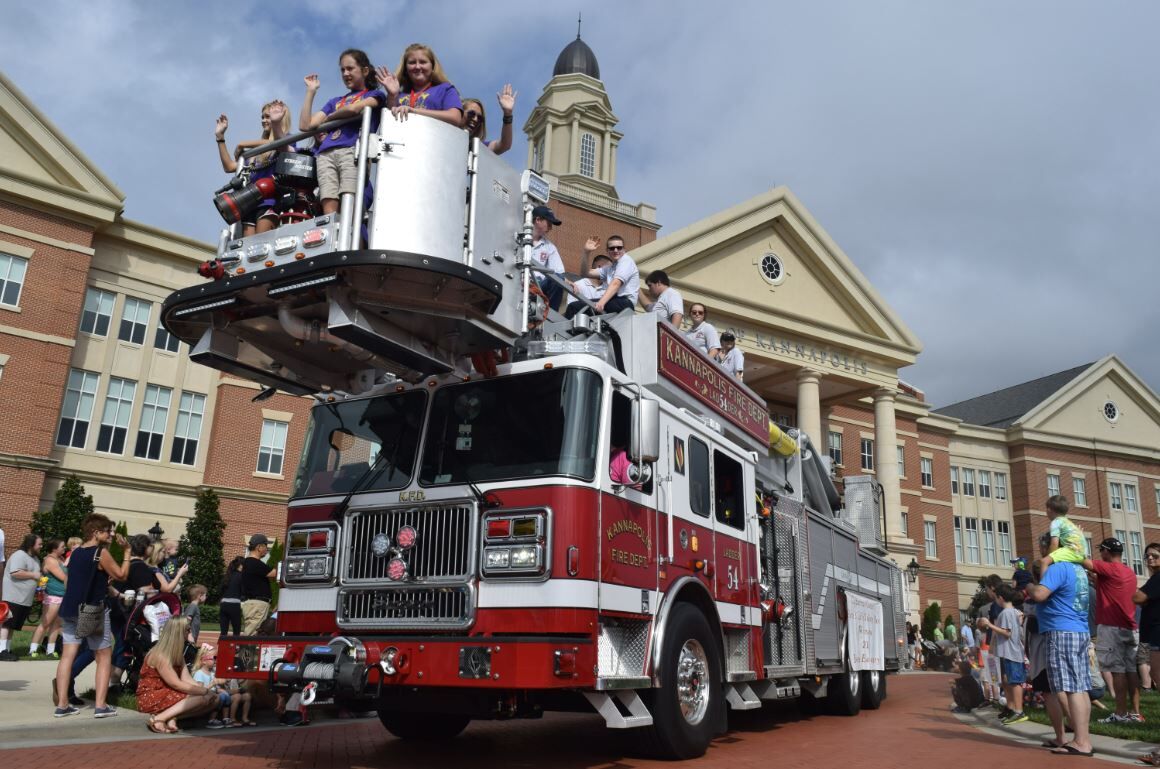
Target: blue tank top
pixel 82 568
pixel 54 586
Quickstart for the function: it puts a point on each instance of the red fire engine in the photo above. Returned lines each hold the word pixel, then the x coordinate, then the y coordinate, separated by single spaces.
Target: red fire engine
pixel 457 547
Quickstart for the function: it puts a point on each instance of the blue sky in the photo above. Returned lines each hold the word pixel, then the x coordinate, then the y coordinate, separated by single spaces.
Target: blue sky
pixel 990 166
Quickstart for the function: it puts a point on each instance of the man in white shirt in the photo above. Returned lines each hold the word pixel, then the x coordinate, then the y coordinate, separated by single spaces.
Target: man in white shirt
pixel 666 300
pixel 732 359
pixel 622 278
pixel 702 335
pixel 589 288
pixel 545 254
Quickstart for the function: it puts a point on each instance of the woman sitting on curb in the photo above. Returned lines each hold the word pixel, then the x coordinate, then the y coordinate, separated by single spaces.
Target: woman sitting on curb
pixel 167 691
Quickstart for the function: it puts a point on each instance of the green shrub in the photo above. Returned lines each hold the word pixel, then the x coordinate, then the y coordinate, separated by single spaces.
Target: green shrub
pixel 930 620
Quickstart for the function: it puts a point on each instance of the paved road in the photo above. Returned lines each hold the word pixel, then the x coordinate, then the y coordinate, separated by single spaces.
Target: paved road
pixel 912 729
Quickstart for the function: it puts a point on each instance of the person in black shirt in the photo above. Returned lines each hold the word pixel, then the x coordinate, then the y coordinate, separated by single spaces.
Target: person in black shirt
pixel 230 609
pixel 256 593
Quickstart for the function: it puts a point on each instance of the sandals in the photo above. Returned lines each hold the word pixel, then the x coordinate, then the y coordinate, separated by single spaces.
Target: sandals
pixel 249 723
pixel 1151 759
pixel 155 726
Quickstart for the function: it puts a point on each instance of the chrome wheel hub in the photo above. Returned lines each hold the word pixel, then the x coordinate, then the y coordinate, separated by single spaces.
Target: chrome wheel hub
pixel 693 681
pixel 855 681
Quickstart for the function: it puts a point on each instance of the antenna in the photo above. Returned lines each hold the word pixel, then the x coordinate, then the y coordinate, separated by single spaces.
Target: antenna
pixel 579 18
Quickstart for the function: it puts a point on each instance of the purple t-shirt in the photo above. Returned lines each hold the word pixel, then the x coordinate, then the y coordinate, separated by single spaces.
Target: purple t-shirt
pixel 437 97
pixel 347 135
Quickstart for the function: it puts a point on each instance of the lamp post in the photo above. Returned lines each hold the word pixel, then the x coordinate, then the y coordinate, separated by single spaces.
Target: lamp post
pixel 156 531
pixel 912 570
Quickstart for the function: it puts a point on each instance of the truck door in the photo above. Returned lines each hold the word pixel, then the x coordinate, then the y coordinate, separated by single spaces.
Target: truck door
pixel 732 556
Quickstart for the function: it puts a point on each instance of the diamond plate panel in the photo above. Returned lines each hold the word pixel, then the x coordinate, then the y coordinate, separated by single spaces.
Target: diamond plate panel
pixel 622 648
pixel 737 651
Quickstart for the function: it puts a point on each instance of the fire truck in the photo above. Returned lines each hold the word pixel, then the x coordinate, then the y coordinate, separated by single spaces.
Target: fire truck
pixel 458 545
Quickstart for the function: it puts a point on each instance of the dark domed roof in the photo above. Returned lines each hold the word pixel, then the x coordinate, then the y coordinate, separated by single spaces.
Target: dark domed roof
pixel 577 57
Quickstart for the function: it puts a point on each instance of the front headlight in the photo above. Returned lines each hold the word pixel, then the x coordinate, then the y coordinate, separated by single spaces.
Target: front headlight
pixel 523 557
pixel 497 558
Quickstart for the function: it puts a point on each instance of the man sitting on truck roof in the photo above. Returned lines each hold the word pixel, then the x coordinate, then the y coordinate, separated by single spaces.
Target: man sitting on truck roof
pixel 622 277
pixel 666 300
pixel 545 253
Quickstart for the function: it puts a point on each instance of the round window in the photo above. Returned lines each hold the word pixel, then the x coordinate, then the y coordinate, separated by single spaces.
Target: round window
pixel 1111 411
pixel 772 269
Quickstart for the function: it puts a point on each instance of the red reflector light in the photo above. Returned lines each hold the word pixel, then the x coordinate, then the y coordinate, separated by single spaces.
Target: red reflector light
pixel 313 238
pixel 319 540
pixel 499 527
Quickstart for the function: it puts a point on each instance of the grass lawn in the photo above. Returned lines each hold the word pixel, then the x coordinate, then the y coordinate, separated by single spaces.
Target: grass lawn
pixel 1149 731
pixel 19 641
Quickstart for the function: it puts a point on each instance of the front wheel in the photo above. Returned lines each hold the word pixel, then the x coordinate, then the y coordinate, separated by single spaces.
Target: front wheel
pixel 687 705
pixel 423 726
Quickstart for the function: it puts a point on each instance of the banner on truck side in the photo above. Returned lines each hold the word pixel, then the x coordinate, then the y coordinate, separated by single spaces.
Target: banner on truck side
pixel 864 633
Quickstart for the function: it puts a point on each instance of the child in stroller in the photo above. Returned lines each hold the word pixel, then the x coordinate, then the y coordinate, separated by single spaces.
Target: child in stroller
pixel 939 655
pixel 143 628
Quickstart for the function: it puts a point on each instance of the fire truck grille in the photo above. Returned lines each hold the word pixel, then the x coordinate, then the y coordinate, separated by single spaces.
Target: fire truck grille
pixel 444 549
pixel 406 607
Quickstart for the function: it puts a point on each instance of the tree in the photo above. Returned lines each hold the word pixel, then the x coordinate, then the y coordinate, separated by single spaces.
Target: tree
pixel 930 620
pixel 979 599
pixel 69 508
pixel 202 544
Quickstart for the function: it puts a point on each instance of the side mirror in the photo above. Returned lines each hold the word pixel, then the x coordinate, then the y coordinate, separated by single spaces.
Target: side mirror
pixel 645 437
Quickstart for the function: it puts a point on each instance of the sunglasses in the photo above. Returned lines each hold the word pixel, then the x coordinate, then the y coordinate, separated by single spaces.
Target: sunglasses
pixel 696 312
pixel 472 113
pixel 1150 556
pixel 616 248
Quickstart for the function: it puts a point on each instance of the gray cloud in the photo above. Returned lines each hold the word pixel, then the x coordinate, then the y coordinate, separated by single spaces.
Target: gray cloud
pixel 989 166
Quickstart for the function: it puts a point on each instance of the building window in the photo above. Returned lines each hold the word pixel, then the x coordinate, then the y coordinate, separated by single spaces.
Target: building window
pixel 968 482
pixel 163 340
pixel 1087 547
pixel 984 484
pixel 1130 503
pixel 926 468
pixel 98 312
pixel 1052 484
pixel 134 320
pixel 901 462
pixel 588 155
pixel 954 480
pixel 958 539
pixel 77 410
pixel 835 441
pixel 1004 542
pixel 972 540
pixel 1117 495
pixel 928 533
pixel 272 447
pixel 1079 491
pixel 905 524
pixel 1000 485
pixel 1158 498
pixel 538 155
pixel 188 430
pixel 154 417
pixel 988 542
pixel 115 420
pixel 12 269
pixel 1136 550
pixel 867 454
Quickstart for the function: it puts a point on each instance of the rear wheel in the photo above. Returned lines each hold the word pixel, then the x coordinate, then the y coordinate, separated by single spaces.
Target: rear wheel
pixel 844 694
pixel 687 705
pixel 873 689
pixel 423 726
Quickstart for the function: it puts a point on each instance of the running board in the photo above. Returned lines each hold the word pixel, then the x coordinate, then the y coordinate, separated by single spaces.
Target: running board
pixel 605 705
pixel 774 690
pixel 741 697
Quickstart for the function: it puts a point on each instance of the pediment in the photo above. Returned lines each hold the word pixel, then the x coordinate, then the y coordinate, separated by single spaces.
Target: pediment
pixel 820 294
pixel 1078 408
pixel 43 167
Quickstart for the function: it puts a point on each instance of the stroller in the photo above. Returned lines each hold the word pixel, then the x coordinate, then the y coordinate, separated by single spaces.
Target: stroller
pixel 141 631
pixel 939 655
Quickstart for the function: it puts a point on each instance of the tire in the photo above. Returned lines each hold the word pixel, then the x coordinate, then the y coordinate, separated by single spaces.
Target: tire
pixel 844 694
pixel 423 726
pixel 873 689
pixel 688 705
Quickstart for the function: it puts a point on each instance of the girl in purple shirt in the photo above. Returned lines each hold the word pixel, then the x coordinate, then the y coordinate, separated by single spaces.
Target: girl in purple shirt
pixel 422 87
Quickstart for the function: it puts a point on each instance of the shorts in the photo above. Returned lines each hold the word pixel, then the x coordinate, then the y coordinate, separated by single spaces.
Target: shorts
pixel 1040 684
pixel 1143 654
pixel 17 613
pixel 1116 649
pixel 53 600
pixel 337 170
pixel 1066 555
pixel 96 642
pixel 1067 661
pixel 1014 672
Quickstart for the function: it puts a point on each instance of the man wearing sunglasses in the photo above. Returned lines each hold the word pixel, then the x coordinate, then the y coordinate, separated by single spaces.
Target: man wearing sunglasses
pixel 1116 635
pixel 622 277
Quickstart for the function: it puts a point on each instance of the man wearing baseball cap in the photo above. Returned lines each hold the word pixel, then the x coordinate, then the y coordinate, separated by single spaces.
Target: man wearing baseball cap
pixel 1116 633
pixel 256 592
pixel 545 254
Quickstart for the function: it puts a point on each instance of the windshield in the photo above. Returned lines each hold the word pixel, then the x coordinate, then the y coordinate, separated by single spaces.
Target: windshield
pixel 346 439
pixel 530 425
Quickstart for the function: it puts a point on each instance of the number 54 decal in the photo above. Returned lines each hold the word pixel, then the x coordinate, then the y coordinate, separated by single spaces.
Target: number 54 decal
pixel 732 577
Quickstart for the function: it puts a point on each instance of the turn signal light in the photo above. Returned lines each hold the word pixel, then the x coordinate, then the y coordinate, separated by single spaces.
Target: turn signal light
pixel 499 527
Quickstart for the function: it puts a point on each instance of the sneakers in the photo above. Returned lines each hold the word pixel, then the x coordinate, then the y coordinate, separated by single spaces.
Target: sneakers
pixel 34 655
pixel 8 656
pixel 1015 718
pixel 214 724
pixel 1004 713
pixel 106 712
pixel 1116 718
pixel 1136 718
pixel 62 712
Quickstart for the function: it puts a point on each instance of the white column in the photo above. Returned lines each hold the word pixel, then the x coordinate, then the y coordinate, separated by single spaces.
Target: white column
pixel 809 406
pixel 574 156
pixel 606 159
pixel 886 459
pixel 547 160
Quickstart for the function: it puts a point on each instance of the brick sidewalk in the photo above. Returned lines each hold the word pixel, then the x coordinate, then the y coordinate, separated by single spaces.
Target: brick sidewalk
pixel 914 728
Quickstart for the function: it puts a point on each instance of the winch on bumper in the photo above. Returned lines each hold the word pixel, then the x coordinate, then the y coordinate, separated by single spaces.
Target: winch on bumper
pixel 346 666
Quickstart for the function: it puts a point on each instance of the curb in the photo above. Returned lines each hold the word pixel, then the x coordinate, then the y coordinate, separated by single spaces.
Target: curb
pixel 1034 734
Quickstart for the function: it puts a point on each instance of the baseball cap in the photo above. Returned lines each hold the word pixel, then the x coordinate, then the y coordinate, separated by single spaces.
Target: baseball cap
pixel 258 539
pixel 728 337
pixel 543 212
pixel 1019 562
pixel 1113 545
